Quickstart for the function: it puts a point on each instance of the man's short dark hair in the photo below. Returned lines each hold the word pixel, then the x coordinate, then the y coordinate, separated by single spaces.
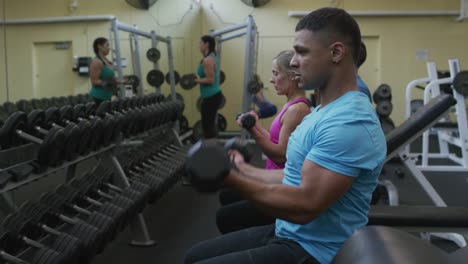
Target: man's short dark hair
pixel 336 24
pixel 362 54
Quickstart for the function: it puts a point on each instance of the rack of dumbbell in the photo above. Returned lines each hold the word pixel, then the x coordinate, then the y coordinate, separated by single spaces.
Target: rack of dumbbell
pixel 8 108
pixel 158 162
pixel 61 137
pixel 73 223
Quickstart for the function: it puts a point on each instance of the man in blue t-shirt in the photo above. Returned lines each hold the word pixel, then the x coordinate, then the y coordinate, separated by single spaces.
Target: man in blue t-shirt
pixel 334 158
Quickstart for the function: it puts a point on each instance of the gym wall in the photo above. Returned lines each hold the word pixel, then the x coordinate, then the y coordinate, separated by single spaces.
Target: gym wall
pixel 392 43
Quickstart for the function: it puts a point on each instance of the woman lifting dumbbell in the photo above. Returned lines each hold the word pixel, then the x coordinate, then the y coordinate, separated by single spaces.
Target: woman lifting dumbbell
pixel 208 72
pixel 237 213
pixel 101 72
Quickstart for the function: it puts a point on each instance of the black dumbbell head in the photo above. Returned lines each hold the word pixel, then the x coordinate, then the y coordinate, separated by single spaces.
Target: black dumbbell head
pixel 207 165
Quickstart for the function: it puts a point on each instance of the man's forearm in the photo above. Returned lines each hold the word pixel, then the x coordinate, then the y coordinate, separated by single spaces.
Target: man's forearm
pixel 275 199
pixel 265 176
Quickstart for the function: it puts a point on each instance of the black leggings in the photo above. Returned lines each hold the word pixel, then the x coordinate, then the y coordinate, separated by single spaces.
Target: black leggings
pixel 237 213
pixel 209 112
pixel 98 101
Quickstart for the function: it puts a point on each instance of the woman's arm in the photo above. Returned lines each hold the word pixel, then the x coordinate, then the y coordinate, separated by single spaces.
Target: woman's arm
pixel 290 120
pixel 209 67
pixel 95 70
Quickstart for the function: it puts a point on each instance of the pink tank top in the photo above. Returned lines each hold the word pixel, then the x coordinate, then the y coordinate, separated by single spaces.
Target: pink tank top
pixel 275 129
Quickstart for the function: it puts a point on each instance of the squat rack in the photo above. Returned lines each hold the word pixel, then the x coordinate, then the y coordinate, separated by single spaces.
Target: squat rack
pixel 135 33
pixel 249 29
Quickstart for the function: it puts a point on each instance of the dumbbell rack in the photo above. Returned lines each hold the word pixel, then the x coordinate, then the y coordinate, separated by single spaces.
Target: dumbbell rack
pixel 105 155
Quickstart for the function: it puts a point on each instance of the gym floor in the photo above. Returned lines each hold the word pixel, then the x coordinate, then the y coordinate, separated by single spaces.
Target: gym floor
pixel 183 216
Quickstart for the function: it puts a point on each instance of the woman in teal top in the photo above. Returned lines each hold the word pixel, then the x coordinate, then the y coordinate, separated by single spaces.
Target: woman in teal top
pixel 208 72
pixel 101 71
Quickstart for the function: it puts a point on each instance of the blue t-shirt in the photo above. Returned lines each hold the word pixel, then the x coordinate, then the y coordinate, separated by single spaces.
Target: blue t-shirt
pixel 345 137
pixel 363 87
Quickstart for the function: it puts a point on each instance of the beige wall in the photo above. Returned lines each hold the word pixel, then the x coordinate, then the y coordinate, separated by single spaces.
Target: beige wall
pixel 392 42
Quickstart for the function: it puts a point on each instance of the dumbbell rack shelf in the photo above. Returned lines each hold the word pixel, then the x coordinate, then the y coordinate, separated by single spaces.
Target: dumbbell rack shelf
pixel 13 157
pixel 67 165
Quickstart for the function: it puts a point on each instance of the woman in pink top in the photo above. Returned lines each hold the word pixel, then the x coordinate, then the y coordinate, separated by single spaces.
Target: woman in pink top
pixel 237 213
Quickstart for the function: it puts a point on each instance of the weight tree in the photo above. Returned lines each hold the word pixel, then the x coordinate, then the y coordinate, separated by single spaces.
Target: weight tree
pixel 135 33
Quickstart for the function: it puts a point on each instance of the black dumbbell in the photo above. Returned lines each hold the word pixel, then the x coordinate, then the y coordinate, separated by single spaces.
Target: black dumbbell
pixel 157 151
pixel 24 105
pixel 96 124
pixel 109 208
pixel 7 257
pixel 112 193
pixel 13 133
pixel 126 121
pixel 247 120
pixel 172 158
pixel 240 145
pixel 45 103
pixel 10 107
pixel 89 236
pixel 36 103
pixel 77 115
pixel 42 255
pixel 24 231
pixel 55 216
pixel 155 184
pixel 109 122
pixel 208 162
pixel 93 195
pixel 158 167
pixel 165 151
pixel 38 122
pixel 102 222
pixel 137 192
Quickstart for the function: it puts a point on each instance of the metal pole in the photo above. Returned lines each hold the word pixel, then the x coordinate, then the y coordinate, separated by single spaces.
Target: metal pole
pixel 132 52
pixel 170 60
pixel 117 55
pixel 133 30
pixel 145 239
pixel 248 71
pixel 232 36
pixel 229 29
pixel 137 69
pixel 154 43
pixel 218 54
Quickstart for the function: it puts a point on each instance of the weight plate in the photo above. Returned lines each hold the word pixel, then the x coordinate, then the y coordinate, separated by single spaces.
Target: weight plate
pixel 153 55
pixel 176 78
pixel 187 82
pixel 460 83
pixel 155 78
pixel 222 77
